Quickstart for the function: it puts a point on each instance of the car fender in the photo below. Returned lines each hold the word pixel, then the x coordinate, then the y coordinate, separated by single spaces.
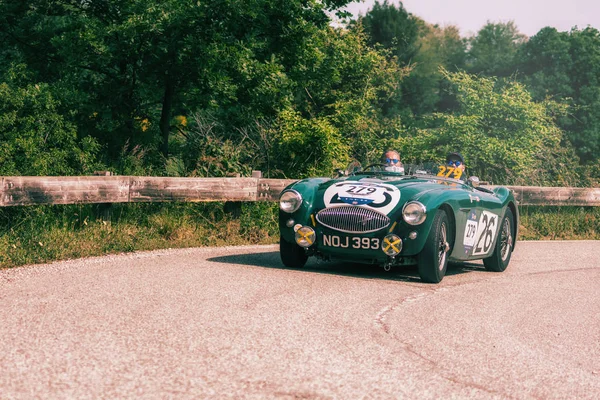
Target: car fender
pixel 433 200
pixel 308 189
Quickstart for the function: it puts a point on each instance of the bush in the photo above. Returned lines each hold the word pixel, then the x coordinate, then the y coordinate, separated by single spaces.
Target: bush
pixel 308 147
pixel 504 135
pixel 36 140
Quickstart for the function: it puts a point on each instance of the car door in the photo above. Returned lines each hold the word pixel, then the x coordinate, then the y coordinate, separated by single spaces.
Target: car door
pixel 485 225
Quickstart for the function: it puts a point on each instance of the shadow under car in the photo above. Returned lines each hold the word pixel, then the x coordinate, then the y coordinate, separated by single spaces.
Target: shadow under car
pixel 366 271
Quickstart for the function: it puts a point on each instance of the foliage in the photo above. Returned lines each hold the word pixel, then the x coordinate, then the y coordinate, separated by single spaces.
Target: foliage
pixel 493 50
pixel 35 139
pixel 337 87
pixel 121 62
pixel 392 27
pixel 47 233
pixel 119 72
pixel 425 89
pixel 308 147
pixel 503 134
pixel 349 85
pixel 206 150
pixel 566 65
pixel 559 223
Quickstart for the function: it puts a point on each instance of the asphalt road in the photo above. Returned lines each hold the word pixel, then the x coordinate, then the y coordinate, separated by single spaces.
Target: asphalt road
pixel 233 323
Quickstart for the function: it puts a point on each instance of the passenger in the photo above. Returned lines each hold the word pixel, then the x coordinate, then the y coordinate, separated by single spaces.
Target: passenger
pixel 456 160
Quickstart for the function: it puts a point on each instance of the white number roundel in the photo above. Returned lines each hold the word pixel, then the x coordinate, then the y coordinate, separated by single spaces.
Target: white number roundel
pixel 379 196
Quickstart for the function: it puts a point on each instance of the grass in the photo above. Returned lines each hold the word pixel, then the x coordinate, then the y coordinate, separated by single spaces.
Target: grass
pixel 30 235
pixel 559 223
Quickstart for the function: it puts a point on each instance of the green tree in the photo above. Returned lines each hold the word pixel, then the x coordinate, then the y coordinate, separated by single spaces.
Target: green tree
pixel 545 64
pixel 566 66
pixel 35 139
pixel 425 89
pixel 344 80
pixel 503 134
pixel 393 28
pixel 493 51
pixel 127 66
pixel 332 110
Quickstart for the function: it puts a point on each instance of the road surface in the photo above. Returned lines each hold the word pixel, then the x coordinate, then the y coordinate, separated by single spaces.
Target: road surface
pixel 233 323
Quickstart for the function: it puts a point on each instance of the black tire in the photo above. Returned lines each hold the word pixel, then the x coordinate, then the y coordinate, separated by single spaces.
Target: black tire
pixel 433 259
pixel 504 245
pixel 292 255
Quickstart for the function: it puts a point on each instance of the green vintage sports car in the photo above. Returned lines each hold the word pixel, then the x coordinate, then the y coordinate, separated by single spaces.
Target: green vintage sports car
pixel 420 214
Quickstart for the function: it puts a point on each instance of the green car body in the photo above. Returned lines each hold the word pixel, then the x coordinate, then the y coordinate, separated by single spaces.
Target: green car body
pixel 474 220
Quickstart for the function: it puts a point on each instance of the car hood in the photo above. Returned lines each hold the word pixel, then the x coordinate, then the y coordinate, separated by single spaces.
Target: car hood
pixel 386 196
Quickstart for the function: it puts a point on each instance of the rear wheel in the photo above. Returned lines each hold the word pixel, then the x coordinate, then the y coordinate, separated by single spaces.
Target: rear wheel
pixel 504 245
pixel 433 259
pixel 292 255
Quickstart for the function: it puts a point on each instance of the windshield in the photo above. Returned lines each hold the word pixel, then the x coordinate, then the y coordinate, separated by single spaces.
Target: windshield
pixel 425 170
pixel 436 169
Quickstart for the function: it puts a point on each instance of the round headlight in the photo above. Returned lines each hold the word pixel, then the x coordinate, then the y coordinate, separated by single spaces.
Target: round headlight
pixel 290 201
pixel 414 213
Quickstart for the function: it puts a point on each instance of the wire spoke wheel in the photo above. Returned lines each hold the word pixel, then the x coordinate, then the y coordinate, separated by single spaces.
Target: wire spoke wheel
pixel 505 240
pixel 442 246
pixel 433 259
pixel 503 248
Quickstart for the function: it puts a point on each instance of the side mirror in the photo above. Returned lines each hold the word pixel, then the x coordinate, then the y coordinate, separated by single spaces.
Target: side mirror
pixel 474 181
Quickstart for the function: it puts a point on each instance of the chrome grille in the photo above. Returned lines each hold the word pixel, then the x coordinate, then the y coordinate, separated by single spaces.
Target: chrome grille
pixel 352 219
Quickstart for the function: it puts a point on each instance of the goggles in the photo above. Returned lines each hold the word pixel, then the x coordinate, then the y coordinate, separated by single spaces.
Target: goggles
pixel 392 161
pixel 455 163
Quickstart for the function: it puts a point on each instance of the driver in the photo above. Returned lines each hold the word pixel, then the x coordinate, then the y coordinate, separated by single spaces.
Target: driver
pixel 391 161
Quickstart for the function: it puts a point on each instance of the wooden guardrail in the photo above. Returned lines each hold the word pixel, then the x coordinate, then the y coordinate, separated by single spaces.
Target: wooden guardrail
pixel 30 190
pixel 556 196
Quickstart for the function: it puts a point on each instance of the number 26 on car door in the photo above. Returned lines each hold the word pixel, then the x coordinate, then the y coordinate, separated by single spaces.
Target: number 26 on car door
pixel 486 233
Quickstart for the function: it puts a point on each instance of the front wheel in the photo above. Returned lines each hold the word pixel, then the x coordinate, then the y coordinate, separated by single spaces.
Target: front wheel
pixel 292 255
pixel 433 259
pixel 504 245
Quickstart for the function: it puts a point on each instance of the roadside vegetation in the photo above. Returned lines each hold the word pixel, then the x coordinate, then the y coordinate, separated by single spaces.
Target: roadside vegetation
pixel 212 89
pixel 45 234
pixel 48 233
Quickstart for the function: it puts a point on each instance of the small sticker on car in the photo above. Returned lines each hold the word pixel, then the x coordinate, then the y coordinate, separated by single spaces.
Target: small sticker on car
pixel 470 230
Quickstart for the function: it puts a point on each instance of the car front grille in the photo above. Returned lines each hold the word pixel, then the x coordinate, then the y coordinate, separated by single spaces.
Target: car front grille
pixel 352 219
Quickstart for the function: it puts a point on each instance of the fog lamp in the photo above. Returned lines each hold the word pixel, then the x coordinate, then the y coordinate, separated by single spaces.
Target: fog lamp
pixel 392 245
pixel 305 236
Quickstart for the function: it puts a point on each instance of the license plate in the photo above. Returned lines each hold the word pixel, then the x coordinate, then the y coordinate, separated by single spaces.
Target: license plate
pixel 351 242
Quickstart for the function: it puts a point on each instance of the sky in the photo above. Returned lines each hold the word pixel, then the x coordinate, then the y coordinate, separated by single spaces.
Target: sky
pixel 471 15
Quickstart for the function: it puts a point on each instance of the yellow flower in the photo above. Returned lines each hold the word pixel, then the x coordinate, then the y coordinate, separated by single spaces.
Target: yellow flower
pixel 180 120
